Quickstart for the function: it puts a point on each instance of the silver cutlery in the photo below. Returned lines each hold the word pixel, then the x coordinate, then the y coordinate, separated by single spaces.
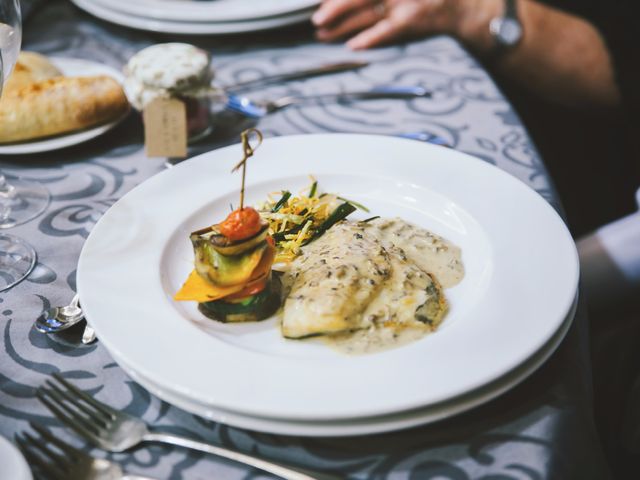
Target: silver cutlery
pixel 115 431
pixel 297 75
pixel 258 109
pixel 427 137
pixel 57 460
pixel 56 319
pixel 89 335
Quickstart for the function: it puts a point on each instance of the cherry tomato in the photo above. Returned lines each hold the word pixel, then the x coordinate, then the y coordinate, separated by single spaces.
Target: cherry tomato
pixel 240 224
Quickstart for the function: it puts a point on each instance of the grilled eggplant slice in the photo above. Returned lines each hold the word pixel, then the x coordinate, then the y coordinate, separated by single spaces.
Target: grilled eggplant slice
pixel 251 309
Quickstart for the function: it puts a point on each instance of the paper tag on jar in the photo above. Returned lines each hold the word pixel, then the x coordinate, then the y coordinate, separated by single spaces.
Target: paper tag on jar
pixel 165 128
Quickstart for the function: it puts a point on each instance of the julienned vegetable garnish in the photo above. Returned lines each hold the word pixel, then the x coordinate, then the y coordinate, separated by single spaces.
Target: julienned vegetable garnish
pixel 294 221
pixel 232 279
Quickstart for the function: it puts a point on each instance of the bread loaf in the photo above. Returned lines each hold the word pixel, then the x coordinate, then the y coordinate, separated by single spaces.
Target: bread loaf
pixel 30 67
pixel 60 105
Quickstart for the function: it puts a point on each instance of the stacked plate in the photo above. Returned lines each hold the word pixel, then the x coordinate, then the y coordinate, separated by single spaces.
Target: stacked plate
pixel 201 16
pixel 14 465
pixel 506 317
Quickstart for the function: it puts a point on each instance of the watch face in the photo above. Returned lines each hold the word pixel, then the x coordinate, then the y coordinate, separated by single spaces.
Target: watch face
pixel 511 31
pixel 507 31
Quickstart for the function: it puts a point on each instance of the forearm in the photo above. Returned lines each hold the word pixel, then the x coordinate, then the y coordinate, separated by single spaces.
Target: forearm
pixel 561 57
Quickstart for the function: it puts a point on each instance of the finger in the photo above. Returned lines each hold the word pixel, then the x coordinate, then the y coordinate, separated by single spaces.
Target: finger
pixel 382 32
pixel 331 10
pixel 351 24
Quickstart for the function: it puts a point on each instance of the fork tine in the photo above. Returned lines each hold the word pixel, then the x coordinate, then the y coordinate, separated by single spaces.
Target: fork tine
pixel 60 395
pixel 72 420
pixel 54 397
pixel 105 409
pixel 45 468
pixel 71 451
pixel 56 457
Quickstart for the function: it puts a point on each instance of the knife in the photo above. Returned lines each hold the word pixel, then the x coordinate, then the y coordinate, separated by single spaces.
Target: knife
pixel 297 75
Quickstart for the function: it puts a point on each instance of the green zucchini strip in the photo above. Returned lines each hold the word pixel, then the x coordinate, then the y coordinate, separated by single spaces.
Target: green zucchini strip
pixel 340 213
pixel 355 204
pixel 285 196
pixel 278 236
pixel 314 187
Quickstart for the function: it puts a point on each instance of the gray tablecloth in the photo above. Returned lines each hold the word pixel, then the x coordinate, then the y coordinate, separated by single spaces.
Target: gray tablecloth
pixel 543 429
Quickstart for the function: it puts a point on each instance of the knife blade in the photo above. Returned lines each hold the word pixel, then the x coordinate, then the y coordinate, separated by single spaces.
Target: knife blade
pixel 296 75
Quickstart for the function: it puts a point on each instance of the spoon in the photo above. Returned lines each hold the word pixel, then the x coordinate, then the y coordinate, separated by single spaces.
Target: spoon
pixel 56 319
pixel 258 109
pixel 89 335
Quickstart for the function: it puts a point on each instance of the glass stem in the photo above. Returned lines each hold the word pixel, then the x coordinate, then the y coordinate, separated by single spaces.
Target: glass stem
pixel 7 196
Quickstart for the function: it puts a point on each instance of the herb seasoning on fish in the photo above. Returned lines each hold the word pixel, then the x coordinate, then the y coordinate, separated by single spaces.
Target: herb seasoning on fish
pixel 370 286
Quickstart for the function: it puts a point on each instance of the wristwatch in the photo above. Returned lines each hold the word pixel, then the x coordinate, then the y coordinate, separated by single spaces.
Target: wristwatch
pixel 507 29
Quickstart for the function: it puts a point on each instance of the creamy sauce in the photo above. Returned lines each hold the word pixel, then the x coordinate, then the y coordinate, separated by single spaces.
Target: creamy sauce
pixel 427 250
pixel 367 287
pixel 374 339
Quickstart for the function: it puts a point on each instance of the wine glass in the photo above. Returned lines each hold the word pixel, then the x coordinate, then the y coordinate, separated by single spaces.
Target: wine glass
pixel 20 200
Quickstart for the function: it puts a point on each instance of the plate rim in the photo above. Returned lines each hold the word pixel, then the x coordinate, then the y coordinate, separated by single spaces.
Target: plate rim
pixel 215 12
pixel 12 451
pixel 536 198
pixel 190 28
pixel 374 425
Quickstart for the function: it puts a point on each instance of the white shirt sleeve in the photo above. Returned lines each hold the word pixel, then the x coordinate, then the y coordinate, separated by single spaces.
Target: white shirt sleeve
pixel 610 260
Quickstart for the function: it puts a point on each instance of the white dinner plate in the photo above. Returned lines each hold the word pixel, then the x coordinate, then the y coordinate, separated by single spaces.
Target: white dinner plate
pixel 363 426
pixel 192 27
pixel 216 11
pixel 13 466
pixel 520 281
pixel 70 67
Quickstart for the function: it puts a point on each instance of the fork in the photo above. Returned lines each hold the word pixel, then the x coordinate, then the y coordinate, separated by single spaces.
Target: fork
pixel 116 431
pixel 65 462
pixel 258 109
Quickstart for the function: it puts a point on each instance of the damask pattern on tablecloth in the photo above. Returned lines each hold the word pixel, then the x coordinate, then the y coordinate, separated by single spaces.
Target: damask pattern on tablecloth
pixel 514 437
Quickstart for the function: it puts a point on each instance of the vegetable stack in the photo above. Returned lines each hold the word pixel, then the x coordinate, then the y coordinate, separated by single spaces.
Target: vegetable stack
pixel 232 279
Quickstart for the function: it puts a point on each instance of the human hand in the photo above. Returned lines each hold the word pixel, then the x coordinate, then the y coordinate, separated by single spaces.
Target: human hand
pixel 381 21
